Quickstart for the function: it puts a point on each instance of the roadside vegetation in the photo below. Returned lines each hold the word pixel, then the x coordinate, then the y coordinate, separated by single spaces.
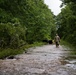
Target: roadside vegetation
pixel 12 52
pixel 66 21
pixel 68 45
pixel 26 23
pixel 23 24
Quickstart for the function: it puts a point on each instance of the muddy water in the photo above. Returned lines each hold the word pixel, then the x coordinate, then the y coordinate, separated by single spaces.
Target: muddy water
pixel 44 60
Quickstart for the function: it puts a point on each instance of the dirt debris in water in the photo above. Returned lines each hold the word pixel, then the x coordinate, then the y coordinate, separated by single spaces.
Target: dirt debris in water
pixel 45 60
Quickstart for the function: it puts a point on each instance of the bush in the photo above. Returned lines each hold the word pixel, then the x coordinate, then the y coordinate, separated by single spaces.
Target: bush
pixel 12 35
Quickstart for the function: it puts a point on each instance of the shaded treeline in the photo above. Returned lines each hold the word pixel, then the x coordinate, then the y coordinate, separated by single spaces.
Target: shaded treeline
pixel 25 21
pixel 66 21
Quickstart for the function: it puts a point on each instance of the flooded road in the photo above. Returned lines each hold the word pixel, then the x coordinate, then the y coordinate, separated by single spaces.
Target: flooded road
pixel 44 60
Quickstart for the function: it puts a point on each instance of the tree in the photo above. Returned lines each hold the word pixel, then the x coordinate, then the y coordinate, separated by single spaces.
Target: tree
pixel 28 21
pixel 67 23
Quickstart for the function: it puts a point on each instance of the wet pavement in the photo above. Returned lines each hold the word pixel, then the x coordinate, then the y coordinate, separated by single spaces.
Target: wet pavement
pixel 44 60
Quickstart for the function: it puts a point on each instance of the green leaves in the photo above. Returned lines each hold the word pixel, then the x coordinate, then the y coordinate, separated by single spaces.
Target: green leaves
pixel 11 35
pixel 25 21
pixel 67 21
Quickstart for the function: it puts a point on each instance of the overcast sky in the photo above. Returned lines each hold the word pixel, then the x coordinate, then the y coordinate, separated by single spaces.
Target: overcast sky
pixel 54 5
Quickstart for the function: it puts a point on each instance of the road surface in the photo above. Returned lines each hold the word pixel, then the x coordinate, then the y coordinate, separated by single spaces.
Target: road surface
pixel 43 60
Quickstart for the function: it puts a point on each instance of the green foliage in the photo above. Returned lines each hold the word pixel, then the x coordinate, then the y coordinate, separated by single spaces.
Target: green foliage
pixel 11 35
pixel 40 19
pixel 68 45
pixel 24 21
pixel 11 52
pixel 67 22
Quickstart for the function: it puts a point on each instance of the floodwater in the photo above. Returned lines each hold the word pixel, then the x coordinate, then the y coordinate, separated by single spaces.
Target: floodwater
pixel 43 60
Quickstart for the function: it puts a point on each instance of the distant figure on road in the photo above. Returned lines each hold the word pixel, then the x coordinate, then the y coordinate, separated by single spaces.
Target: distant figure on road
pixel 57 40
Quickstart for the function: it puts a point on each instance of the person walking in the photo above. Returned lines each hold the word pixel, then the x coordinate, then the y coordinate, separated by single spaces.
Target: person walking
pixel 57 40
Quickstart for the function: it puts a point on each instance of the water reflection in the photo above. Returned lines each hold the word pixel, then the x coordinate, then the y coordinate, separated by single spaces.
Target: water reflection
pixel 69 60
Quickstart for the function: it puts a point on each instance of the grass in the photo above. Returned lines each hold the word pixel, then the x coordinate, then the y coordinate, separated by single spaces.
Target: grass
pixel 72 47
pixel 10 52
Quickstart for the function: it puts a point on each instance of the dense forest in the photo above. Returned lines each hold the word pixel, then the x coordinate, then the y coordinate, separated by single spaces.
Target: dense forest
pixel 66 21
pixel 25 22
pixel 29 21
